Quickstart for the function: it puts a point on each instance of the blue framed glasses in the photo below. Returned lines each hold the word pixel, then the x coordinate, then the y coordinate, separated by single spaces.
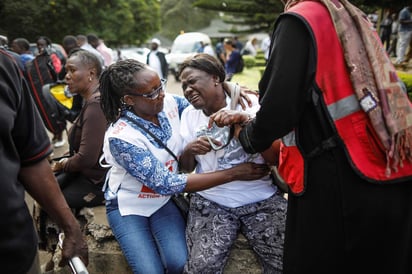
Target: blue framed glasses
pixel 155 93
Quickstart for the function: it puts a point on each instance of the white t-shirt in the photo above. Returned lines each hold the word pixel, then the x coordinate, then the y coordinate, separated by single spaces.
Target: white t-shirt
pixel 249 47
pixel 236 193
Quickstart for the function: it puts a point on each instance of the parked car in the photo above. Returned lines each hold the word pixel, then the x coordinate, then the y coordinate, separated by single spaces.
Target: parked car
pixel 136 53
pixel 185 45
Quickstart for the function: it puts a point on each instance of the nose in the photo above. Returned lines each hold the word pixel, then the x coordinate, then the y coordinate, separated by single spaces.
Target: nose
pixel 186 90
pixel 67 76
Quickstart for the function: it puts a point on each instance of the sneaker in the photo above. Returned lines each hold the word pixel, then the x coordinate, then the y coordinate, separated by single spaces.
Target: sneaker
pixel 59 143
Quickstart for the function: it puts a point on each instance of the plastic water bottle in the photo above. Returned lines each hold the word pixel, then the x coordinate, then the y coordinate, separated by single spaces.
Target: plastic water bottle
pixel 76 265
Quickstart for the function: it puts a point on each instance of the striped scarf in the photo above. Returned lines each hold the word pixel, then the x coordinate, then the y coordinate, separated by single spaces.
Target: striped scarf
pixel 381 94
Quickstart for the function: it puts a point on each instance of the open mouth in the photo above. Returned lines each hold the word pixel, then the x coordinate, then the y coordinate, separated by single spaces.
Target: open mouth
pixel 193 99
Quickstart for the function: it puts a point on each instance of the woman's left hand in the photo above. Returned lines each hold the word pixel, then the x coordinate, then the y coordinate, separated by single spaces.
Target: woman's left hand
pixel 244 95
pixel 200 146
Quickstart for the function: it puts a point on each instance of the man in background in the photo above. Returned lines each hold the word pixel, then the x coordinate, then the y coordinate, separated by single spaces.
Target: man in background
pixel 404 33
pixel 21 46
pixel 265 47
pixel 84 44
pixel 157 59
pixel 100 46
pixel 25 146
pixel 4 42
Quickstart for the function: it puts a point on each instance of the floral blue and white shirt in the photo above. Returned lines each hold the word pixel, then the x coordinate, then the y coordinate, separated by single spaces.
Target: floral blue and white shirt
pixel 143 174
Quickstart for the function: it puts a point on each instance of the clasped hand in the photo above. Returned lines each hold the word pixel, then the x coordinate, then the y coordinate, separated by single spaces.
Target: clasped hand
pixel 226 117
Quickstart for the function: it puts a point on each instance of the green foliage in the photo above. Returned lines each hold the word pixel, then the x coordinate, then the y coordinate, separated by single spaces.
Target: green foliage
pixel 19 18
pixel 181 16
pixel 258 15
pixel 134 21
pixel 249 61
pixel 117 22
pixel 260 55
pixel 407 79
pixel 250 78
pixel 260 62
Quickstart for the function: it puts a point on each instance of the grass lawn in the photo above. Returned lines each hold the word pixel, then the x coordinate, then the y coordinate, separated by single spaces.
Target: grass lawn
pixel 250 78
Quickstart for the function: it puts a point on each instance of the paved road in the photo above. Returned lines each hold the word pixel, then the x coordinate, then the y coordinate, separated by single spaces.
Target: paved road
pixel 173 86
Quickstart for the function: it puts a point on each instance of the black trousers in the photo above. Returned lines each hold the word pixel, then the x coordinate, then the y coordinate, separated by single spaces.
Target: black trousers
pixel 344 224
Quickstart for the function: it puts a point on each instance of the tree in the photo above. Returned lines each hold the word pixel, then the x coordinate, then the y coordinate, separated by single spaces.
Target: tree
pixel 181 15
pixel 19 18
pixel 117 22
pixel 260 15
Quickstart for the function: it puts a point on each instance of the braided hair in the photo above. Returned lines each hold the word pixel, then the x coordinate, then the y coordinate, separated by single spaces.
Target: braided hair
pixel 115 82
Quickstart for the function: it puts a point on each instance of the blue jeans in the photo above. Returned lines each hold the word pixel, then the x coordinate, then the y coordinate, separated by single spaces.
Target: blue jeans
pixel 154 244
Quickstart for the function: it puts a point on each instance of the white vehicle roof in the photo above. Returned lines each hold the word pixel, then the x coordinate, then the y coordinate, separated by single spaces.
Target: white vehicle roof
pixel 189 42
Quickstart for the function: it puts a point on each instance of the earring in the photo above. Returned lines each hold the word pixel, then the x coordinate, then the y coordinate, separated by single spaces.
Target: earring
pixel 90 79
pixel 216 83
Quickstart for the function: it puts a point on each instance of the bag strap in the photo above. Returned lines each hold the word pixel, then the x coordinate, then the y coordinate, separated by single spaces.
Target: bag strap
pixel 155 138
pixel 234 96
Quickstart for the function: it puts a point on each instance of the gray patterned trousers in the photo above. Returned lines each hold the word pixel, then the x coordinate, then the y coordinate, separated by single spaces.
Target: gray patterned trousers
pixel 212 229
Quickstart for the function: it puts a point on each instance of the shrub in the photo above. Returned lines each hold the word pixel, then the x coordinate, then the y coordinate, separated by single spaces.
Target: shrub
pixel 260 63
pixel 249 61
pixel 260 55
pixel 407 79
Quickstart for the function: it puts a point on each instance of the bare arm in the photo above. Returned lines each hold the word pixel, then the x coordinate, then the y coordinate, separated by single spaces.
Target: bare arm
pixel 39 181
pixel 245 171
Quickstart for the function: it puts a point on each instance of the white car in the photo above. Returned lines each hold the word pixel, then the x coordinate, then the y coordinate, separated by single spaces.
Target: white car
pixel 185 45
pixel 139 54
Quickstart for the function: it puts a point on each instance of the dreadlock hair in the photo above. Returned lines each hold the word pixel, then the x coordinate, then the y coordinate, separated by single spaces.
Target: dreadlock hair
pixel 115 82
pixel 205 62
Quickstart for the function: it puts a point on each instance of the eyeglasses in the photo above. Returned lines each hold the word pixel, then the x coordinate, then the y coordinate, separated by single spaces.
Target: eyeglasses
pixel 155 93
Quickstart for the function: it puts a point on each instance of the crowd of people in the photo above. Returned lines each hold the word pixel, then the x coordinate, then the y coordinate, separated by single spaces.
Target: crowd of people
pixel 229 52
pixel 340 139
pixel 395 31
